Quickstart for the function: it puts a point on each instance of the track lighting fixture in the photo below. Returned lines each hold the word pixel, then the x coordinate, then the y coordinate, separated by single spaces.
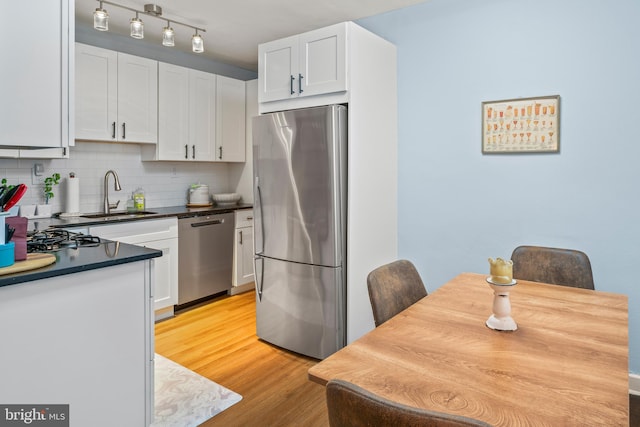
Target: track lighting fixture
pixel 137 28
pixel 197 44
pixel 168 36
pixel 101 19
pixel 101 23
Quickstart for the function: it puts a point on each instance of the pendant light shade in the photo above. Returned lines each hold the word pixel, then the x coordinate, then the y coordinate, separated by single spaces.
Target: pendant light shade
pixel 137 28
pixel 168 36
pixel 197 43
pixel 101 19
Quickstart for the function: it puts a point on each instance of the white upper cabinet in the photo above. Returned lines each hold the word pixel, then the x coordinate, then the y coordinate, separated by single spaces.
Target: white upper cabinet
pixel 35 74
pixel 116 96
pixel 230 120
pixel 137 99
pixel 186 115
pixel 173 113
pixel 201 117
pixel 304 65
pixel 96 93
pixel 202 113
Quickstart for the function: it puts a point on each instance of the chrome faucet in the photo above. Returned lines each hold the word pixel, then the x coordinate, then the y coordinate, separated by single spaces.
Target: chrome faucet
pixel 108 206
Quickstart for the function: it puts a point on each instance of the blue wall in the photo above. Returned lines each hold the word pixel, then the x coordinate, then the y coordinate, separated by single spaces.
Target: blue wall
pixel 458 207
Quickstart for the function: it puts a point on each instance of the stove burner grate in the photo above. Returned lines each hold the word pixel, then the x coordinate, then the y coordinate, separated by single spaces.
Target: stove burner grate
pixel 54 239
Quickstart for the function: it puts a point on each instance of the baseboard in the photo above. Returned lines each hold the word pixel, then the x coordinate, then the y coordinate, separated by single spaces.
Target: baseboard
pixel 634 384
pixel 164 313
pixel 241 288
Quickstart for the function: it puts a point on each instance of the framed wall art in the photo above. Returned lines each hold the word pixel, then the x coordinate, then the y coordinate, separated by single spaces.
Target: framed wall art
pixel 522 125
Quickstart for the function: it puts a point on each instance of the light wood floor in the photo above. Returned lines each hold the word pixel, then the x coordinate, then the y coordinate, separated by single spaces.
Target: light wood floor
pixel 219 341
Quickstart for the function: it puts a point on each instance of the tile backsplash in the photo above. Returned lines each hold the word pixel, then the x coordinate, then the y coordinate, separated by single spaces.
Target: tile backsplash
pixel 164 183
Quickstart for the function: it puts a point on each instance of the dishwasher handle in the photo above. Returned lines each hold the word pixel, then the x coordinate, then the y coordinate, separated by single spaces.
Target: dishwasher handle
pixel 206 223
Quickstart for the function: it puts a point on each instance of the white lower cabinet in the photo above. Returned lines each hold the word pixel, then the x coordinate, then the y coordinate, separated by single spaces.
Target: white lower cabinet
pixel 84 339
pixel 161 234
pixel 243 251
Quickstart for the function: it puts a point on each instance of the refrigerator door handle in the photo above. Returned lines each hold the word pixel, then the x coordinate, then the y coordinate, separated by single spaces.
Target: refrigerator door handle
pixel 259 275
pixel 259 246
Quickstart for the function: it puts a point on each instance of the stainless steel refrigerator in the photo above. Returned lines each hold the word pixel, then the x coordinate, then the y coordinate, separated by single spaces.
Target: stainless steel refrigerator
pixel 299 168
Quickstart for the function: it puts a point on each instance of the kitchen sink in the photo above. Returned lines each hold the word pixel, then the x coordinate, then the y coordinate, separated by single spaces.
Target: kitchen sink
pixel 118 215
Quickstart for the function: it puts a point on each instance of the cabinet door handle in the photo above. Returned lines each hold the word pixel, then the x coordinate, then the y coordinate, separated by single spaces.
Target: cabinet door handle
pixel 240 237
pixel 186 151
pixel 292 79
pixel 220 155
pixel 113 130
pixel 249 218
pixel 300 83
pixel 124 130
pixel 193 151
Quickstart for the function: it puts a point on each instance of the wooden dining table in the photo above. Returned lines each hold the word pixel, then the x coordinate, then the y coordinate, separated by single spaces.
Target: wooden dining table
pixel 565 365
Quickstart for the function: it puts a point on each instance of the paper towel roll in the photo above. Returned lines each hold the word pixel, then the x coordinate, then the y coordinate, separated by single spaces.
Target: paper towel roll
pixel 72 204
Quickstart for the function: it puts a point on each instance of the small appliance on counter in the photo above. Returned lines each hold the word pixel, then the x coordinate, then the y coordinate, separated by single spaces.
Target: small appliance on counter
pixel 199 195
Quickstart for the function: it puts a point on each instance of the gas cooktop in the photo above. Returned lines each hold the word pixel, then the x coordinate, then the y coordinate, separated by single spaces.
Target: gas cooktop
pixel 54 239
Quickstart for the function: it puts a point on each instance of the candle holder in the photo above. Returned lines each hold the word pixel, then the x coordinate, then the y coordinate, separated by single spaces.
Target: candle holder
pixel 501 319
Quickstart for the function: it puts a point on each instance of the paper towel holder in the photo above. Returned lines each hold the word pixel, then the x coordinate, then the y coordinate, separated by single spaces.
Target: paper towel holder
pixel 72 204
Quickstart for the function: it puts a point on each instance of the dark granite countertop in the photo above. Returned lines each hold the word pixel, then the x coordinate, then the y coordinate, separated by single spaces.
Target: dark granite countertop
pixel 108 253
pixel 177 211
pixel 69 261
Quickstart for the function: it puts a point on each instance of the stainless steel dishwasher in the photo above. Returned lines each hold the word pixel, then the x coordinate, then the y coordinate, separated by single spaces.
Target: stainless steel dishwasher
pixel 205 256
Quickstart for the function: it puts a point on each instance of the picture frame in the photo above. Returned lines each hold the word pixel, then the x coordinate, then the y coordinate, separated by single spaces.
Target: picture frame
pixel 521 125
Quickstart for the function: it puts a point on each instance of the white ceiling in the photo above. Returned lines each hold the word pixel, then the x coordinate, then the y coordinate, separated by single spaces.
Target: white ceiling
pixel 234 28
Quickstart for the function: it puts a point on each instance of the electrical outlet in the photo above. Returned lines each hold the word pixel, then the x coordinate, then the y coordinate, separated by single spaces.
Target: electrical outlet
pixel 37 180
pixel 37 175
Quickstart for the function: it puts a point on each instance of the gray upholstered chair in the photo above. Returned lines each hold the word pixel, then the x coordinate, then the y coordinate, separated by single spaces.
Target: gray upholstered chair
pixel 353 406
pixel 565 267
pixel 392 288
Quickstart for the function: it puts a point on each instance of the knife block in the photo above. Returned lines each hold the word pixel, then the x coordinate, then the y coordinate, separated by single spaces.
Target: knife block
pixel 19 236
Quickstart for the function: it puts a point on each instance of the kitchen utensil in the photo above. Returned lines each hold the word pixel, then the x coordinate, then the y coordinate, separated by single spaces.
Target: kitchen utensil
pixel 9 230
pixel 7 195
pixel 15 197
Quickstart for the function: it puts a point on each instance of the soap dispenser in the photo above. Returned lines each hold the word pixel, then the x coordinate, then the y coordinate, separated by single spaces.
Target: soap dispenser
pixel 138 199
pixel 130 204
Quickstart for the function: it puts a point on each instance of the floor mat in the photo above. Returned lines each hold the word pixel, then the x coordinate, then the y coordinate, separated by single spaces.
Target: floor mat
pixel 184 398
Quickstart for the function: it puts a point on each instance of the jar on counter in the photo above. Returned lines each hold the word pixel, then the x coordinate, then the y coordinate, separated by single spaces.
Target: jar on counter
pixel 130 205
